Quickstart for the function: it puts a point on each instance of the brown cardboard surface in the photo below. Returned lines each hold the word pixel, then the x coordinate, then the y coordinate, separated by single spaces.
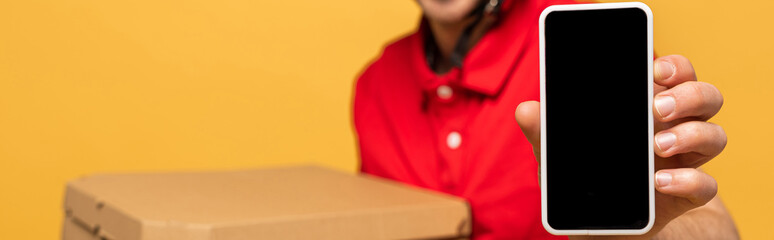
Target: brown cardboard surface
pixel 282 203
pixel 72 231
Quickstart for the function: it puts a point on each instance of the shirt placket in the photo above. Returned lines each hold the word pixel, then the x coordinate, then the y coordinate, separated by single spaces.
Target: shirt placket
pixel 448 111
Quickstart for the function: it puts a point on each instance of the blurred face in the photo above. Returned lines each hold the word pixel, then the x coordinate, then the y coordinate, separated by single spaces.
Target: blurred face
pixel 447 11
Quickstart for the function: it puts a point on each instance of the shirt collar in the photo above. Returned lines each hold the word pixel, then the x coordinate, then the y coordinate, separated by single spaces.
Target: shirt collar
pixel 488 65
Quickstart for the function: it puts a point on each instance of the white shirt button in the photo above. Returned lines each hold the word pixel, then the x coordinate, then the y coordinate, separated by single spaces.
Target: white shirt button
pixel 444 92
pixel 454 140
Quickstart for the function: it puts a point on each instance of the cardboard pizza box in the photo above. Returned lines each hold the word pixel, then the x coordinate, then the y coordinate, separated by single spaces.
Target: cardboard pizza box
pixel 281 203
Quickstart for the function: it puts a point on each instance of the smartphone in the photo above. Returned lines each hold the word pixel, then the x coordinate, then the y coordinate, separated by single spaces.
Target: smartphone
pixel 596 93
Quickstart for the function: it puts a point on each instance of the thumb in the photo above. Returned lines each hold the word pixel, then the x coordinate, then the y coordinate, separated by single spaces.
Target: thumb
pixel 528 117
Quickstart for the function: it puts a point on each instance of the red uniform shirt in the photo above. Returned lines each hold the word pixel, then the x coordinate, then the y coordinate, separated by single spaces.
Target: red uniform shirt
pixel 456 132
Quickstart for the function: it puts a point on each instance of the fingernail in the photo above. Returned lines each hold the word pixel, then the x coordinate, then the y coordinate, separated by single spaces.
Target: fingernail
pixel 664 141
pixel 665 105
pixel 663 179
pixel 664 69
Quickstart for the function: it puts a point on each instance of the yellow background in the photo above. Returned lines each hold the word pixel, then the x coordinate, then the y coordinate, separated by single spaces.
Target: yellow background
pixel 117 86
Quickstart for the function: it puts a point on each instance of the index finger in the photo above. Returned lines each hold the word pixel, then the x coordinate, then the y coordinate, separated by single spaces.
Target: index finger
pixel 672 70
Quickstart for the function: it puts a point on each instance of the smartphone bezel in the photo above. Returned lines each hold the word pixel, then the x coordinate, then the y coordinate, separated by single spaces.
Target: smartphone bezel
pixel 544 153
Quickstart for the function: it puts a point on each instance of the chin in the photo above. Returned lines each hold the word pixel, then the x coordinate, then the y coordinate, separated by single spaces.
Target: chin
pixel 447 11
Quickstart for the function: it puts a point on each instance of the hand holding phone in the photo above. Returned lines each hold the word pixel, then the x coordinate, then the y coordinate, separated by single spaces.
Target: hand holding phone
pixel 682 187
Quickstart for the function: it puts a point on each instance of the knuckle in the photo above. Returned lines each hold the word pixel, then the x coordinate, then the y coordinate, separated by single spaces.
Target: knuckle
pixel 701 186
pixel 712 99
pixel 698 99
pixel 705 138
pixel 694 91
pixel 712 95
pixel 713 185
pixel 721 135
pixel 690 180
pixel 689 132
pixel 714 92
pixel 692 175
pixel 709 189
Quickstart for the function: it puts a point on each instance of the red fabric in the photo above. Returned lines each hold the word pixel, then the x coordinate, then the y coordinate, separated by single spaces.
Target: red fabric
pixel 403 125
